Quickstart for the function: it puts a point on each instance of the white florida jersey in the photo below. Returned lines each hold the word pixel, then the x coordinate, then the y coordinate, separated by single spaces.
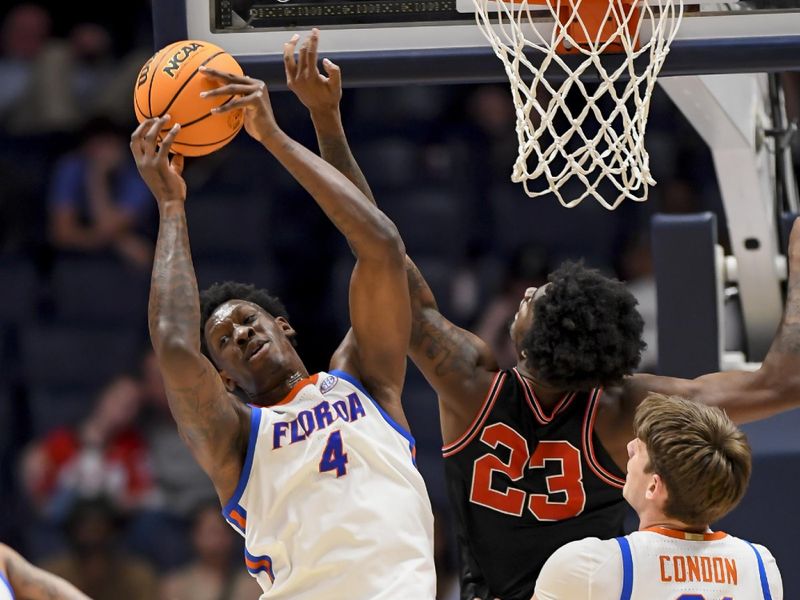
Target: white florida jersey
pixel 6 592
pixel 661 564
pixel 330 501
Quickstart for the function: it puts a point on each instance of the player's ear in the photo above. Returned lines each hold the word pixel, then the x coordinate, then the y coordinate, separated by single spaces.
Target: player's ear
pixel 285 326
pixel 656 489
pixel 229 383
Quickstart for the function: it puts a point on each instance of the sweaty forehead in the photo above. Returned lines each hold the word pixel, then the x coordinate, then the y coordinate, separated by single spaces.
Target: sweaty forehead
pixel 227 311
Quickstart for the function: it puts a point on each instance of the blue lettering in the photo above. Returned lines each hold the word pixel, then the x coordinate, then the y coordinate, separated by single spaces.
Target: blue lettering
pixel 356 409
pixel 306 420
pixel 323 413
pixel 295 430
pixel 279 430
pixel 341 409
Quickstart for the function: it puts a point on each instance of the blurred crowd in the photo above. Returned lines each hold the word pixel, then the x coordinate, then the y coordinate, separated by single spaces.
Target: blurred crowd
pixel 95 483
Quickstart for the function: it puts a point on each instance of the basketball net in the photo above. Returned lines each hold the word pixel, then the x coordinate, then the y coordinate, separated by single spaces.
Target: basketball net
pixel 598 135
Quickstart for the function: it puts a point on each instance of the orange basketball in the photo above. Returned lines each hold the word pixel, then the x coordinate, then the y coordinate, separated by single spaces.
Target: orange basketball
pixel 169 83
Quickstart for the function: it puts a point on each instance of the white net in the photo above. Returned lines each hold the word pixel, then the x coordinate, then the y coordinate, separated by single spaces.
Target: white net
pixel 581 122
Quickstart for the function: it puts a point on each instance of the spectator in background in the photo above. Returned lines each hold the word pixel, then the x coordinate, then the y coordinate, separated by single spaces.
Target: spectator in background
pixel 24 34
pixel 94 562
pixel 97 201
pixel 104 455
pixel 180 483
pixel 217 572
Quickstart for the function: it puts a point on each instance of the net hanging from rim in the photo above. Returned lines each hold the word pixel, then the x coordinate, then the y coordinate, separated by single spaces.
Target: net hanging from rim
pixel 589 130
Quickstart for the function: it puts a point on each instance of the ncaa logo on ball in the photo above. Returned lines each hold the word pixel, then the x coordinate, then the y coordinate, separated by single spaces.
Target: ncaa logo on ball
pixel 179 58
pixel 328 383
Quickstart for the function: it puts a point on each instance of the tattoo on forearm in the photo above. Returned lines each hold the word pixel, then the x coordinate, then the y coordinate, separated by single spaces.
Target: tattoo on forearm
pixel 418 289
pixel 336 152
pixel 197 418
pixel 441 344
pixel 174 297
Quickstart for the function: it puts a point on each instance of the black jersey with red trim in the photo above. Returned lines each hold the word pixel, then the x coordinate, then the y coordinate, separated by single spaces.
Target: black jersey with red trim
pixel 523 482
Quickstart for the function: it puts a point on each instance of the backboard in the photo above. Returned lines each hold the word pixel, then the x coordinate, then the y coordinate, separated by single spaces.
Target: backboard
pixel 397 41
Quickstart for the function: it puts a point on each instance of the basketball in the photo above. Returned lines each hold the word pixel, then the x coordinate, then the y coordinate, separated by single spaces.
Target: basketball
pixel 170 83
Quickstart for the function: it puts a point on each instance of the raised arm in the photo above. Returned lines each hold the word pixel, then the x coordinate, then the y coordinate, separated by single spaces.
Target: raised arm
pixel 31 583
pixel 213 424
pixel 458 364
pixel 748 396
pixel 379 306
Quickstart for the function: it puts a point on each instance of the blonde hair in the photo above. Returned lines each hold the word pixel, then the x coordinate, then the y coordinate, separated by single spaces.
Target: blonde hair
pixel 702 457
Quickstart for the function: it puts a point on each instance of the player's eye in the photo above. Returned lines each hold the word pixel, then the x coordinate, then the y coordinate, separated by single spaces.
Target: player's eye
pixel 223 340
pixel 250 319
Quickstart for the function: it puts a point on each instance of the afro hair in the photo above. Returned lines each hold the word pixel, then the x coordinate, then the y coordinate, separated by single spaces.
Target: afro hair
pixel 219 293
pixel 586 331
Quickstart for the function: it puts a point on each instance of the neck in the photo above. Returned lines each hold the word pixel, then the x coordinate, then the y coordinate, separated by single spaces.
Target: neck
pixel 662 520
pixel 545 393
pixel 279 392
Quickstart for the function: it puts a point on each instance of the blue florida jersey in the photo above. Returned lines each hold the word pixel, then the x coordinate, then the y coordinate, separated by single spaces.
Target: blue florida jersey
pixel 330 502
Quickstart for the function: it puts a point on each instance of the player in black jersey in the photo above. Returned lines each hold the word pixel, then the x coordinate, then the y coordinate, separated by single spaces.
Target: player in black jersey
pixel 535 456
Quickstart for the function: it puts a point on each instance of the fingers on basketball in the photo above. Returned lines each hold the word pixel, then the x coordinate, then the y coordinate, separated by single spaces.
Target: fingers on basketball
pixel 172 81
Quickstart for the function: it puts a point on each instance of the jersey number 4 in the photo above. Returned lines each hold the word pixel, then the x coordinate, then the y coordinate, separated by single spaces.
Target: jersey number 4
pixel 512 501
pixel 334 458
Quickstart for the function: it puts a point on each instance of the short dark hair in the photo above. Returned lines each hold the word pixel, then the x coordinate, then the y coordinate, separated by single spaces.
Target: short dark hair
pixel 219 293
pixel 586 330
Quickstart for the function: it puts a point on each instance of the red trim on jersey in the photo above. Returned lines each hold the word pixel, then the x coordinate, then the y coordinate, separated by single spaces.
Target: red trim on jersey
pixel 536 407
pixel 687 535
pixel 480 418
pixel 312 380
pixel 588 442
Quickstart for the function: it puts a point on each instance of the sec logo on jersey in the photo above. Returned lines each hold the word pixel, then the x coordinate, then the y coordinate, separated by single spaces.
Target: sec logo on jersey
pixel 328 383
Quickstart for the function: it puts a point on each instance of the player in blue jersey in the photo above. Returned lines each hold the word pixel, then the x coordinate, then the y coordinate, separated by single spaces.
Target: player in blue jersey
pixel 535 456
pixel 20 580
pixel 315 470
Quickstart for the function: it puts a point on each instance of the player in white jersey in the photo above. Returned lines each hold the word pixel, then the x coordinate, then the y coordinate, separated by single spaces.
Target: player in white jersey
pixel 689 466
pixel 318 471
pixel 20 580
pixel 329 458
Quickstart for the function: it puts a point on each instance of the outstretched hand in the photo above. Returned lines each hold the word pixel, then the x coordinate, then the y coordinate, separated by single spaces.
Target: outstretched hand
pixel 162 175
pixel 247 94
pixel 316 91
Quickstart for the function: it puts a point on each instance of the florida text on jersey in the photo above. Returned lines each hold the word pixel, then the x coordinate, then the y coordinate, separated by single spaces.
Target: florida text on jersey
pixel 330 501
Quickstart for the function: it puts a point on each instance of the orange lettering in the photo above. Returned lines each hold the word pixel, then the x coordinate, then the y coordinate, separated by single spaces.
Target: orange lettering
pixel 693 563
pixel 719 570
pixel 680 568
pixel 705 563
pixel 730 571
pixel 662 560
